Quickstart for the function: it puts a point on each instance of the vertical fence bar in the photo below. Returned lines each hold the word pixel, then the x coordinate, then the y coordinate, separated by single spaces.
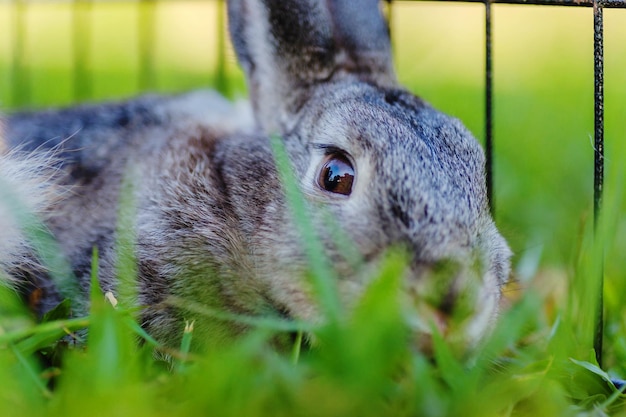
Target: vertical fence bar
pixel 19 78
pixel 598 181
pixel 388 12
pixel 221 80
pixel 146 39
pixel 489 105
pixel 81 49
pixel 388 15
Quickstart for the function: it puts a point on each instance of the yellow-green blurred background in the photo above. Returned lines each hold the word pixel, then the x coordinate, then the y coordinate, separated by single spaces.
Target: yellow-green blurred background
pixel 543 77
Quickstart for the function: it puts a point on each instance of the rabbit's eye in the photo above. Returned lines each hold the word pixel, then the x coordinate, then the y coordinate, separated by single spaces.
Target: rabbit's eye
pixel 336 175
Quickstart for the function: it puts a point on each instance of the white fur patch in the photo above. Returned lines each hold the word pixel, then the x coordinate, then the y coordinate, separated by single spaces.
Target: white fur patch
pixel 209 108
pixel 27 192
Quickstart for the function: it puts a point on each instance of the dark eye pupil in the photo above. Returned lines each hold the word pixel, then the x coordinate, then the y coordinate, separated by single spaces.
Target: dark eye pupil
pixel 337 175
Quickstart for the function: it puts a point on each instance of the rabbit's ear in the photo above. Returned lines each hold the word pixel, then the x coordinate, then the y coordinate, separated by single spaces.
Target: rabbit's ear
pixel 288 47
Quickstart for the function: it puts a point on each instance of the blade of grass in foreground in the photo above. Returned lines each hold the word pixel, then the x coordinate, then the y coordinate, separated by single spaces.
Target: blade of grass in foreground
pixel 323 275
pixel 110 374
pixel 110 342
pixel 126 260
pixel 362 357
pixel 23 392
pixel 260 322
pixel 17 367
pixel 185 346
pixel 33 373
pixel 43 243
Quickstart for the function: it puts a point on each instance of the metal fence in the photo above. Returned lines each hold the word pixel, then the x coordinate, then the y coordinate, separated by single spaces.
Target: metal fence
pixel 598 59
pixel 81 31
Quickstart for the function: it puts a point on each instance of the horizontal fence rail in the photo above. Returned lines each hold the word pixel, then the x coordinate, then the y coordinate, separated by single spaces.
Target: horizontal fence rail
pixel 82 83
pixel 617 4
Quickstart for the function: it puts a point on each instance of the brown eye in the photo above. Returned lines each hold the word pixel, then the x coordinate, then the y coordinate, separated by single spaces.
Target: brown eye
pixel 336 175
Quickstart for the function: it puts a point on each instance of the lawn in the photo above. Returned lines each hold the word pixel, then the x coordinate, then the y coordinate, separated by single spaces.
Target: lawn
pixel 539 359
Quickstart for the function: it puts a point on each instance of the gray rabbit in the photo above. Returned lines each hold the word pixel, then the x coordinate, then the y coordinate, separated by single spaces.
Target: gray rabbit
pixel 375 164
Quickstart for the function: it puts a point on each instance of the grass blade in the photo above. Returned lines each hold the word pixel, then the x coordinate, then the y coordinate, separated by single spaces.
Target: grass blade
pixel 185 346
pixel 323 275
pixel 31 372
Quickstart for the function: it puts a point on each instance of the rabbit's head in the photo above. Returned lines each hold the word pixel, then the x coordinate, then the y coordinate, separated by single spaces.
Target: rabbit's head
pixel 372 159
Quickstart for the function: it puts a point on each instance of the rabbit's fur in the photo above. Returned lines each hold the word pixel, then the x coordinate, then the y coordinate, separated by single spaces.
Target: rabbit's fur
pixel 212 225
pixel 28 192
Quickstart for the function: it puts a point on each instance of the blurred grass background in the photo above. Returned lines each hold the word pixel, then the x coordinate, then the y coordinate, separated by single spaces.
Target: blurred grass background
pixel 57 53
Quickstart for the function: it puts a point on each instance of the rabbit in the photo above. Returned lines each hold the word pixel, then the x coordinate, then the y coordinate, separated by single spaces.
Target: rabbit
pixel 211 223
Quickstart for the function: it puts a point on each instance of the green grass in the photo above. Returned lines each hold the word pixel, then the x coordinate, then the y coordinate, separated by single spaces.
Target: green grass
pixel 362 363
pixel 538 361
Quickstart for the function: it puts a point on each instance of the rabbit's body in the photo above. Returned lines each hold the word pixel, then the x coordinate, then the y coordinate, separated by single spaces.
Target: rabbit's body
pixel 93 147
pixel 211 223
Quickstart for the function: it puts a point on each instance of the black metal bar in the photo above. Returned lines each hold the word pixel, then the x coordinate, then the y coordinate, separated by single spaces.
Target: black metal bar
pixel 82 49
pixel 489 105
pixel 598 180
pixel 147 26
pixel 599 110
pixel 20 79
pixel 620 4
pixel 574 3
pixel 388 14
pixel 389 17
pixel 221 81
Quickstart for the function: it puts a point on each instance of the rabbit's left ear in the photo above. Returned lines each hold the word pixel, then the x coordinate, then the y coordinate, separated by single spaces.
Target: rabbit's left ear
pixel 289 48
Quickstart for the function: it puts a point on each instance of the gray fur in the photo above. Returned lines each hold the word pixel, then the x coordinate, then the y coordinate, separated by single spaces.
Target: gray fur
pixel 212 224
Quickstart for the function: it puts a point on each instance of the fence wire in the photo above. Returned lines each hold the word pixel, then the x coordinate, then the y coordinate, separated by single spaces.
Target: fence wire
pixel 598 57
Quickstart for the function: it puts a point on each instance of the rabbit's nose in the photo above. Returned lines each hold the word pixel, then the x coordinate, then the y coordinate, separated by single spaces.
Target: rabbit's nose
pixel 442 298
pixel 436 284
